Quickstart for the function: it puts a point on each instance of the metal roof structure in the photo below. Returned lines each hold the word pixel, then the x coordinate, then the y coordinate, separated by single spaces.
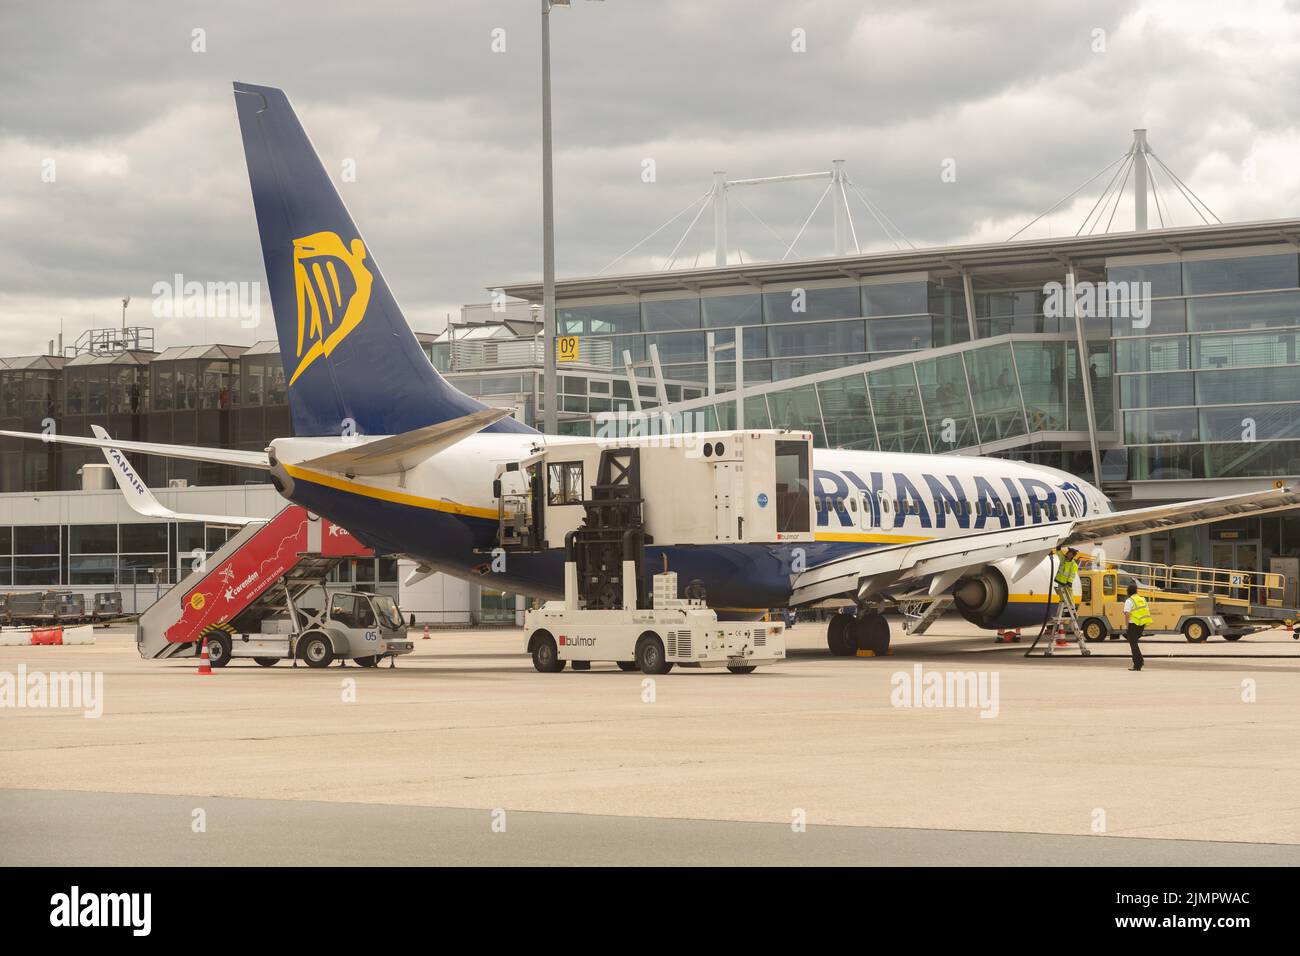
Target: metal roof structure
pixel 117 358
pixel 178 353
pixel 985 260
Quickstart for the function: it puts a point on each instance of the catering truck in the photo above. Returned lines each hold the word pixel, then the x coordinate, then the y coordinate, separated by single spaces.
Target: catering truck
pixel 745 487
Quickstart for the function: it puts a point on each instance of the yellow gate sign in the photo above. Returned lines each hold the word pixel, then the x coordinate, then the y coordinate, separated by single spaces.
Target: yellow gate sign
pixel 566 348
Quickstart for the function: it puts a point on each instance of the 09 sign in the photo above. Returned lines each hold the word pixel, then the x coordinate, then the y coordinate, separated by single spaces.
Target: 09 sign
pixel 566 348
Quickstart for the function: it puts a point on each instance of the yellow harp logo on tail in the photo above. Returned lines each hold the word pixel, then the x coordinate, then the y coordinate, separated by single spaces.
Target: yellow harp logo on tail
pixel 320 328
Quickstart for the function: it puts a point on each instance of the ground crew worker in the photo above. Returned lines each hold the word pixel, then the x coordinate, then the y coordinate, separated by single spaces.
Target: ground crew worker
pixel 1067 568
pixel 1137 615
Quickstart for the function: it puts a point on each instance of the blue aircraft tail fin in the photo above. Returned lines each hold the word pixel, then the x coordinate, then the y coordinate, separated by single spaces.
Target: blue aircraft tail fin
pixel 351 362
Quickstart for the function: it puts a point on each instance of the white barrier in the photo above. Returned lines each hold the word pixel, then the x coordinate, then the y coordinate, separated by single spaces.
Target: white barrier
pixel 83 634
pixel 29 636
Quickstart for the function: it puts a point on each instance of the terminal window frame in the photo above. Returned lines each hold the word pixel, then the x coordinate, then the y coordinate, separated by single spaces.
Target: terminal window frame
pixel 564 484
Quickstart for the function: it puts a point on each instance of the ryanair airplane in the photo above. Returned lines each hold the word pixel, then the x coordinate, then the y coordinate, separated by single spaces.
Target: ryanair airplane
pixel 384 446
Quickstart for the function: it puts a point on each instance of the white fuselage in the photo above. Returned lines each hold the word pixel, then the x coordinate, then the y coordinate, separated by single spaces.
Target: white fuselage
pixel 862 498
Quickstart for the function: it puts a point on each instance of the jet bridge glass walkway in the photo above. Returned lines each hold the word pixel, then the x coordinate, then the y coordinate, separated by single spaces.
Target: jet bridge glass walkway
pixel 990 395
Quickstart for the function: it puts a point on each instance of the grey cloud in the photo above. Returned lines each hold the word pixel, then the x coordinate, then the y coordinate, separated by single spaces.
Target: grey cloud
pixel 445 133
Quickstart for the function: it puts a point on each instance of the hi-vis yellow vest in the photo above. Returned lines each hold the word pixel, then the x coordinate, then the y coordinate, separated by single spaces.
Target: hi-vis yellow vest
pixel 1066 571
pixel 1141 614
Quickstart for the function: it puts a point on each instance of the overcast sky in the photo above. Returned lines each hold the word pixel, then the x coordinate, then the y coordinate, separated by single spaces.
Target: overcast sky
pixel 1022 100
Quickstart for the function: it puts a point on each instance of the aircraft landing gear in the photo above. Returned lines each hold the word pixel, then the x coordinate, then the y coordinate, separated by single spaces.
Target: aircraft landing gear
pixel 871 632
pixel 846 634
pixel 840 635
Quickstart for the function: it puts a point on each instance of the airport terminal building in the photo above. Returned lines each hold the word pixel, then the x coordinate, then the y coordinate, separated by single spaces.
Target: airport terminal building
pixel 1184 383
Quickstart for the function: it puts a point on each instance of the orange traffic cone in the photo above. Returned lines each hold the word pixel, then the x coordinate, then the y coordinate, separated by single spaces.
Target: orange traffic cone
pixel 204 666
pixel 426 631
pixel 1060 637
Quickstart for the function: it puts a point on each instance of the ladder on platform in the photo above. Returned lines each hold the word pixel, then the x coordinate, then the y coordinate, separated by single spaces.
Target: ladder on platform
pixel 1064 612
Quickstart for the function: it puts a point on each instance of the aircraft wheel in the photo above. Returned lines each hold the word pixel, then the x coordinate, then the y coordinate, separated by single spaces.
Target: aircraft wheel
pixel 839 637
pixel 871 632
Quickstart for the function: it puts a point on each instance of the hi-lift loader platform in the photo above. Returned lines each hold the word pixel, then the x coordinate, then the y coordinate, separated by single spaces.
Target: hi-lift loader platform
pixel 248 600
pixel 750 487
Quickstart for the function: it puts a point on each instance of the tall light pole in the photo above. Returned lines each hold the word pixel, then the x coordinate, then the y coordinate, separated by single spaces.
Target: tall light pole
pixel 550 420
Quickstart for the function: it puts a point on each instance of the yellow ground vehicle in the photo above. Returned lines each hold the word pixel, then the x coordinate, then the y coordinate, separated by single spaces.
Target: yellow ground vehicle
pixel 1196 602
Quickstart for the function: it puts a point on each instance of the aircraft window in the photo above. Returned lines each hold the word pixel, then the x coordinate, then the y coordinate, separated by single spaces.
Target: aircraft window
pixel 817 504
pixel 839 504
pixel 853 505
pixel 565 483
pixel 1019 511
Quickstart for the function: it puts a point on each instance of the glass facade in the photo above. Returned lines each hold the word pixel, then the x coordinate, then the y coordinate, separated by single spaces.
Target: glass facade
pixel 134 554
pixel 1208 389
pixel 960 400
pixel 805 329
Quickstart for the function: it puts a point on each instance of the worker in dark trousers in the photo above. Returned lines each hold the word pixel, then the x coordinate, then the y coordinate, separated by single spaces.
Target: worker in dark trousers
pixel 1137 615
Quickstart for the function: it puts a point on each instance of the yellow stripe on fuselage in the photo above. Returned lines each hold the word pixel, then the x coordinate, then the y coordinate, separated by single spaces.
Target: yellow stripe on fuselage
pixel 388 494
pixel 870 538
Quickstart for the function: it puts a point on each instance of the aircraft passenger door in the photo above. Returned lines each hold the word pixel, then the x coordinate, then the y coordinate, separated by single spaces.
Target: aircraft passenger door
pixel 885 508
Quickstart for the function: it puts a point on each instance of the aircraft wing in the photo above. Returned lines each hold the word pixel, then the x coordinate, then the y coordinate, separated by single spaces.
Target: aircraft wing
pixel 396 453
pixel 220 456
pixel 1204 510
pixel 142 500
pixel 880 569
pixel 875 570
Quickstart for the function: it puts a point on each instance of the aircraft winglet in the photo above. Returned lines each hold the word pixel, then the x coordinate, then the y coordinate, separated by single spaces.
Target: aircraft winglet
pixel 141 499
